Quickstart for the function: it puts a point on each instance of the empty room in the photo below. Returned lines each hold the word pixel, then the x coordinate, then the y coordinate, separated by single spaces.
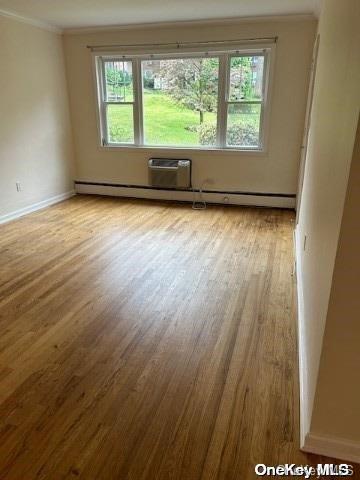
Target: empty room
pixel 179 239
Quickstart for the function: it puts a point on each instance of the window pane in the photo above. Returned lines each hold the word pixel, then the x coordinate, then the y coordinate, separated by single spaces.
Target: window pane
pixel 119 82
pixel 120 123
pixel 180 101
pixel 246 78
pixel 243 125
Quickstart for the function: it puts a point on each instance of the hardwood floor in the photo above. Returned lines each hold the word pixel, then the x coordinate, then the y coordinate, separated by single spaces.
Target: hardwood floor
pixel 146 340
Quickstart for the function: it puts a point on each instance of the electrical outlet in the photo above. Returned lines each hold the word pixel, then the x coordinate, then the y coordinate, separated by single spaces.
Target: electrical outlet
pixel 18 187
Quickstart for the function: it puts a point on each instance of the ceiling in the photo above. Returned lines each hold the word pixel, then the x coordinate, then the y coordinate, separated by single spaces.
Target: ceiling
pixel 88 13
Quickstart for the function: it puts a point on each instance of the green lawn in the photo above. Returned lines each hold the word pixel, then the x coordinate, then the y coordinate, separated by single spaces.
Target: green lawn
pixel 165 121
pixel 168 123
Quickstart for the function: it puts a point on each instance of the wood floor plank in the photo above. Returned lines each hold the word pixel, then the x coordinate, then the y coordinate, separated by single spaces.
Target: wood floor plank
pixel 145 340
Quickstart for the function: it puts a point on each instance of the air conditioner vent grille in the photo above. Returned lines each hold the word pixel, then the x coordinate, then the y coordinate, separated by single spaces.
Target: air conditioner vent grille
pixel 159 162
pixel 170 173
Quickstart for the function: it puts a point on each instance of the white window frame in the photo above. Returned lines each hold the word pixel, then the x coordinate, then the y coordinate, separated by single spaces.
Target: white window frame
pixel 224 56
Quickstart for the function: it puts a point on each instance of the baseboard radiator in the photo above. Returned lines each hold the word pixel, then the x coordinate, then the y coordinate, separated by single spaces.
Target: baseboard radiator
pixel 258 199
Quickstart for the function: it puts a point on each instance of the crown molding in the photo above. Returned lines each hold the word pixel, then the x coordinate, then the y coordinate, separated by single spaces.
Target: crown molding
pixel 166 24
pixel 318 8
pixel 30 21
pixel 189 23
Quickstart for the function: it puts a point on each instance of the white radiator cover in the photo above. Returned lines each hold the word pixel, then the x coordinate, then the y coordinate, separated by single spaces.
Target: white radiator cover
pixel 228 198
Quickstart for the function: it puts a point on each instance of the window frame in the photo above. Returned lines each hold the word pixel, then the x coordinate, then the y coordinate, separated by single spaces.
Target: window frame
pixel 224 55
pixel 228 102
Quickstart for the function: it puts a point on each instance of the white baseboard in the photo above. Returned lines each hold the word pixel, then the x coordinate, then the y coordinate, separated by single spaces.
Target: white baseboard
pixel 332 447
pixel 36 206
pixel 209 197
pixel 305 414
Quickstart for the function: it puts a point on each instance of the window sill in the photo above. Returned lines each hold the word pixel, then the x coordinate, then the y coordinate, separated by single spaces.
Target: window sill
pixel 185 150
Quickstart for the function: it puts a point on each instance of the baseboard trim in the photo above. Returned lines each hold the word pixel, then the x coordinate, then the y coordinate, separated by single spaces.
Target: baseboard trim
pixel 234 198
pixel 339 448
pixel 36 206
pixel 305 414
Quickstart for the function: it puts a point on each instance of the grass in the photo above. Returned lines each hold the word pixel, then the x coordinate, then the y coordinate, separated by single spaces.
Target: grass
pixel 165 121
pixel 169 123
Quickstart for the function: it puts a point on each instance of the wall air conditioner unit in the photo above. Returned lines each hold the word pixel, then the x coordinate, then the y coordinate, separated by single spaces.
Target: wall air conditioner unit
pixel 169 173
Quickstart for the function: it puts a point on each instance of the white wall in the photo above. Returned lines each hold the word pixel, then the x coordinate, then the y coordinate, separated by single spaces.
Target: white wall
pixel 331 140
pixel 35 134
pixel 273 172
pixel 338 387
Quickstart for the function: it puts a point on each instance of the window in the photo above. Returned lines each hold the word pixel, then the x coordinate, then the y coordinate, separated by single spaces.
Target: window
pixel 245 101
pixel 196 100
pixel 119 101
pixel 180 97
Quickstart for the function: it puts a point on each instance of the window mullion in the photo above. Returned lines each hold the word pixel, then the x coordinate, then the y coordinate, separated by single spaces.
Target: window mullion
pixel 244 102
pixel 103 80
pixel 264 92
pixel 119 103
pixel 103 105
pixel 138 104
pixel 222 101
